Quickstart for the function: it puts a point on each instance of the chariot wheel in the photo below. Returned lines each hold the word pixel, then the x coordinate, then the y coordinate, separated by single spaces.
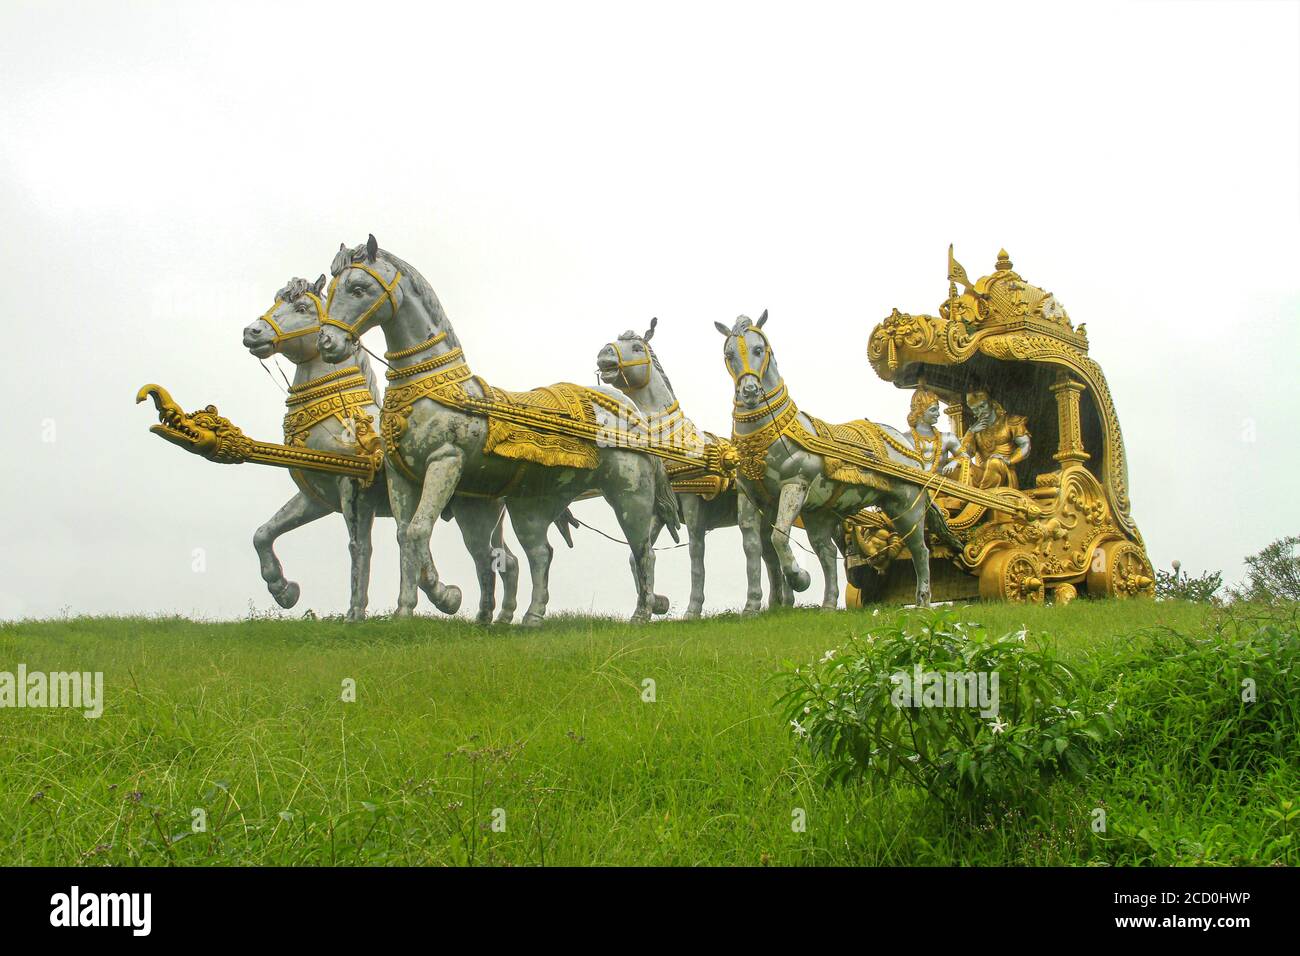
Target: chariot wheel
pixel 1120 569
pixel 1013 575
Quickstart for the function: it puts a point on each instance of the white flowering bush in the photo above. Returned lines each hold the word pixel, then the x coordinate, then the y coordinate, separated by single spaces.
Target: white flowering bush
pixel 928 698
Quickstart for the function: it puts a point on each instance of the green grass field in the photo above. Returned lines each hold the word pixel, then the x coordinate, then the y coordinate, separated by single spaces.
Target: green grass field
pixel 453 724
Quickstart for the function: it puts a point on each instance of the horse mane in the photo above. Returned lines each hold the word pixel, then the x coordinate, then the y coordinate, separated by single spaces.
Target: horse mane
pixel 293 289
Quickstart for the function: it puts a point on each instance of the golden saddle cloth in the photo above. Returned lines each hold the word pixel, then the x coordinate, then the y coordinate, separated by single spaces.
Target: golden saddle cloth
pixel 556 410
pixel 862 439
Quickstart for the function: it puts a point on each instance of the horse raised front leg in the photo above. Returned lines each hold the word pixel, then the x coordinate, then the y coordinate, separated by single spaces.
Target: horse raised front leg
pixel 793 495
pixel 441 476
pixel 296 512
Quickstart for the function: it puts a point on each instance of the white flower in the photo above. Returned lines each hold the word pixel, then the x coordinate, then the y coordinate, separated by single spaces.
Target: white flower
pixel 914 758
pixel 827 656
pixel 875 612
pixel 807 710
pixel 799 730
pixel 1111 705
pixel 999 725
pixel 1020 634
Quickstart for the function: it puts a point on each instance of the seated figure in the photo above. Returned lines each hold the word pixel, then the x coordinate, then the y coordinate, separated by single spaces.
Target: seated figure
pixel 935 447
pixel 994 444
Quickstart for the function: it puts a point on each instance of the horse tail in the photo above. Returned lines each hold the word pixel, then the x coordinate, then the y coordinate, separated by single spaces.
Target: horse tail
pixel 666 501
pixel 938 521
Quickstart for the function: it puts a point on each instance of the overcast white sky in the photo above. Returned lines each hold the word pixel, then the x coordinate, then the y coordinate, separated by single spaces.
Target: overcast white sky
pixel 561 172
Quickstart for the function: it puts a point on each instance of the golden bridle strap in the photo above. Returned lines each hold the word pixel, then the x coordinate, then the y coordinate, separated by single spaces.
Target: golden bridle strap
pixel 282 336
pixel 742 348
pixel 624 364
pixel 389 292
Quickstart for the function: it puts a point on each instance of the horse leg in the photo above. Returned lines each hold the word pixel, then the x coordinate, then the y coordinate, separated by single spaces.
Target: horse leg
pixel 821 527
pixel 906 509
pixel 505 562
pixel 636 521
pixel 779 593
pixel 659 603
pixel 475 517
pixel 441 476
pixel 294 513
pixel 359 514
pixel 793 495
pixel 532 519
pixel 749 520
pixel 693 515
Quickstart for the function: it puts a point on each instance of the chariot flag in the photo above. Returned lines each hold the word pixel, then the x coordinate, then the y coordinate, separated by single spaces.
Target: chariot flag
pixel 956 271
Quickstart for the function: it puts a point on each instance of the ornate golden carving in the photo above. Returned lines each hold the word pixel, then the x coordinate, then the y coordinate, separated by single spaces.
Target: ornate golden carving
pixel 1014 321
pixel 1070 443
pixel 208 434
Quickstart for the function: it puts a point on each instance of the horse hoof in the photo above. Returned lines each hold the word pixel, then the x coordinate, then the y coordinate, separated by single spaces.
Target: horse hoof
pixel 504 617
pixel 641 617
pixel 450 602
pixel 403 612
pixel 748 611
pixel 532 619
pixel 355 615
pixel 288 595
pixel 692 613
pixel 660 604
pixel 483 618
pixel 799 579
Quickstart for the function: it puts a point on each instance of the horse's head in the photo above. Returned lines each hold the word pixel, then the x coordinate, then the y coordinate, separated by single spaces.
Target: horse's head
pixel 290 325
pixel 627 363
pixel 749 359
pixel 367 290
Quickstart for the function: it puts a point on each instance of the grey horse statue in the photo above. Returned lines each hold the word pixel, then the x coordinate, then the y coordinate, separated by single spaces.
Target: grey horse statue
pixel 629 364
pixel 332 407
pixel 447 431
pixel 792 465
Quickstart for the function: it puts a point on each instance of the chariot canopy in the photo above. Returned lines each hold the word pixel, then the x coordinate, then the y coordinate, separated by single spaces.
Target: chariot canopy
pixel 1003 339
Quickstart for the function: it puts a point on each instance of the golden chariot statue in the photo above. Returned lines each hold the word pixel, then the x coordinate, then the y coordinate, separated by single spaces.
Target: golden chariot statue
pixel 1030 410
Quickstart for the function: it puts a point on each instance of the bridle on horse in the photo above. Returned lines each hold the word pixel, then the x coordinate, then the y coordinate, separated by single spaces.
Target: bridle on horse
pixel 282 336
pixel 625 363
pixel 389 292
pixel 772 399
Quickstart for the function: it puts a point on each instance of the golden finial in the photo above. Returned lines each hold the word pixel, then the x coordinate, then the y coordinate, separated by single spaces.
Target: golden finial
pixel 1004 261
